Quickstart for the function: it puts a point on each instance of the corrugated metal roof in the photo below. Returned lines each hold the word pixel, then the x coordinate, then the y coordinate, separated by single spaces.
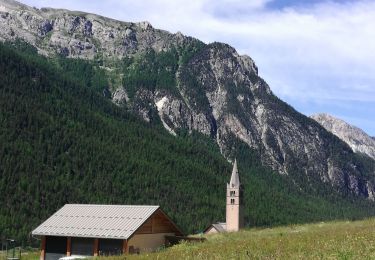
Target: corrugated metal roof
pixel 101 221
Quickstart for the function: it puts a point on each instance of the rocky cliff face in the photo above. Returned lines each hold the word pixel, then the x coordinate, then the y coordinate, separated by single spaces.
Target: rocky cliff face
pixel 356 138
pixel 214 90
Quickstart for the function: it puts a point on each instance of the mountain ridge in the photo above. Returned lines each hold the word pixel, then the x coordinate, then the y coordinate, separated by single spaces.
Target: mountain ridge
pixel 355 137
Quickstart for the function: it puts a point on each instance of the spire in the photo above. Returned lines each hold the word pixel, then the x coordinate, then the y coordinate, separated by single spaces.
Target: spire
pixel 234 179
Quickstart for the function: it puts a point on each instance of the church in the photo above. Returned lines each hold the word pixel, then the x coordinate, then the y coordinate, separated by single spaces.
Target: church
pixel 234 207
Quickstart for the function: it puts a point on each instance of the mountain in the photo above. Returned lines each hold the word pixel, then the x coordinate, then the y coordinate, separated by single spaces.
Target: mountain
pixel 100 111
pixel 63 142
pixel 356 138
pixel 189 85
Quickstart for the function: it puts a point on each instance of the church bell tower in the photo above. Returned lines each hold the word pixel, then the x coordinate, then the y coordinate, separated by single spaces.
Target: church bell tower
pixel 234 214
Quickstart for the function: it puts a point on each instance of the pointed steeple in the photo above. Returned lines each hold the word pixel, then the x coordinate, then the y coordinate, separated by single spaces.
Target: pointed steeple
pixel 234 179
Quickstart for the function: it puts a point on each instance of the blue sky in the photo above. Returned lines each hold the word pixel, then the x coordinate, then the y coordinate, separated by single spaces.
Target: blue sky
pixel 319 56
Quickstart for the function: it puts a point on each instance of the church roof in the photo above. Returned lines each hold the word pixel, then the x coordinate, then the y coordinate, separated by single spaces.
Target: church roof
pixel 234 179
pixel 220 227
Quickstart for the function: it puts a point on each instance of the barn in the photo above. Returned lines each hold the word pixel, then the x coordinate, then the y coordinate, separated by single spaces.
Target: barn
pixel 93 230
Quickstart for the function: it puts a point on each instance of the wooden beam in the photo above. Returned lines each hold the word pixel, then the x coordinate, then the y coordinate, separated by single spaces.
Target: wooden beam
pixel 96 246
pixel 152 224
pixel 69 246
pixel 43 248
pixel 125 249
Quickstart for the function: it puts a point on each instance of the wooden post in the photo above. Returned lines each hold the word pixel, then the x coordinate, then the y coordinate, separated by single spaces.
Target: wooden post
pixel 125 246
pixel 69 246
pixel 43 248
pixel 152 224
pixel 96 246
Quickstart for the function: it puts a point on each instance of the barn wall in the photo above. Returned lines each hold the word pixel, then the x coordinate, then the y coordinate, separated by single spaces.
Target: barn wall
pixel 158 223
pixel 147 242
pixel 151 235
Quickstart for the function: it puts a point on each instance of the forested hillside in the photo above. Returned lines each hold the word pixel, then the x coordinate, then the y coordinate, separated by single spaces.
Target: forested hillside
pixel 189 86
pixel 62 141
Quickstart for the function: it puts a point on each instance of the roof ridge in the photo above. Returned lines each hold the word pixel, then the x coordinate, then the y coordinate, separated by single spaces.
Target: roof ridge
pixel 108 205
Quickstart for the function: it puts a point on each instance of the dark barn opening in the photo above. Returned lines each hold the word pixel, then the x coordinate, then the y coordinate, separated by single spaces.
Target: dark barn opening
pixel 110 247
pixel 82 246
pixel 55 247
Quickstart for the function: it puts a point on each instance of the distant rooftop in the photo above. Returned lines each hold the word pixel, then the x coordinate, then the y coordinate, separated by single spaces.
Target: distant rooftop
pixel 220 227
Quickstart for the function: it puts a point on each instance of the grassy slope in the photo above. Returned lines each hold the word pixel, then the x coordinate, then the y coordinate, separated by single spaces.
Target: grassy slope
pixel 330 240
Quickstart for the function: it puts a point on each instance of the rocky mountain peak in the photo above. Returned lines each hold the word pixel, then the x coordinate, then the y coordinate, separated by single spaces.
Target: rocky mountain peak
pixel 355 137
pixel 78 34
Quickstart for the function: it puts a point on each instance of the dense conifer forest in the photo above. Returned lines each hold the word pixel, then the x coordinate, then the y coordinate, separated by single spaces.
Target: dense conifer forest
pixel 63 141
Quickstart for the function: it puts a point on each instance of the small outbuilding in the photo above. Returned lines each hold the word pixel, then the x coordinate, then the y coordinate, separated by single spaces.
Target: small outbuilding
pixel 92 230
pixel 216 228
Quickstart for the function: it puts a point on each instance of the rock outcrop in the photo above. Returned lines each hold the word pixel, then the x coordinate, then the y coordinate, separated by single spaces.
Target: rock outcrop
pixel 217 92
pixel 356 138
pixel 78 34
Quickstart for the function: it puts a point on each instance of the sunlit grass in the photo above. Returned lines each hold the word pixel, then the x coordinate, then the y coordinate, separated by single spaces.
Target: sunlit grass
pixel 25 255
pixel 331 240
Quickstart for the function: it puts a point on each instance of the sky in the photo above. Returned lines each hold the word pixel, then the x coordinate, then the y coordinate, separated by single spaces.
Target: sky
pixel 317 55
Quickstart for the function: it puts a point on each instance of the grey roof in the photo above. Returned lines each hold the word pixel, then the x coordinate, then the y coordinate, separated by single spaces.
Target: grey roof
pixel 220 227
pixel 234 179
pixel 101 221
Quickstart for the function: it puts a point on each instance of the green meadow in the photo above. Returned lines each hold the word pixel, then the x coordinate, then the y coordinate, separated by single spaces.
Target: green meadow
pixel 330 240
pixel 325 240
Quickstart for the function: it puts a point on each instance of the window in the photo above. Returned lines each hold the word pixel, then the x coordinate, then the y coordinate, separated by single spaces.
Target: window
pixel 232 193
pixel 231 201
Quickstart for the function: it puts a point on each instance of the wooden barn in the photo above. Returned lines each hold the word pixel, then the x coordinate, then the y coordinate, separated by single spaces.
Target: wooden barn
pixel 93 230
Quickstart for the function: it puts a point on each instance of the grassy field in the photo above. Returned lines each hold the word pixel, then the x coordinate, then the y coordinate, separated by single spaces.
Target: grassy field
pixel 331 240
pixel 26 255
